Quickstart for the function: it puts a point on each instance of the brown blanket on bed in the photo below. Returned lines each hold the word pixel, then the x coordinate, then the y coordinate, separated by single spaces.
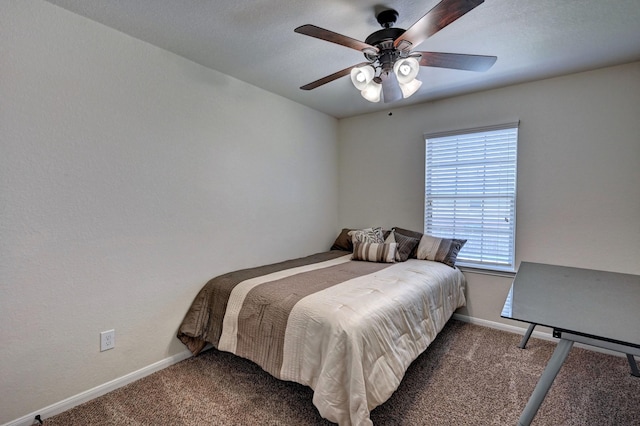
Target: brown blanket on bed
pixel 203 322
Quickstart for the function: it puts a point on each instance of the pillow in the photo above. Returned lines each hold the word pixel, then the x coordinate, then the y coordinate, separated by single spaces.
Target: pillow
pixel 367 235
pixel 408 233
pixel 443 250
pixel 343 242
pixel 406 245
pixel 411 234
pixel 375 252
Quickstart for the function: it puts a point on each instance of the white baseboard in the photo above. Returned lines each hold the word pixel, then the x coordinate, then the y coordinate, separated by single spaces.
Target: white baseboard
pixel 536 334
pixel 504 327
pixel 100 390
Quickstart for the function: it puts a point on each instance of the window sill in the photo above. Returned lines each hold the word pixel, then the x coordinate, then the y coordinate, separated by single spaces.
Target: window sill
pixel 494 272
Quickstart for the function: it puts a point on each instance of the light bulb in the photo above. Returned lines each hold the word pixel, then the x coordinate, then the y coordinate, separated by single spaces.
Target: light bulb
pixel 406 69
pixel 361 76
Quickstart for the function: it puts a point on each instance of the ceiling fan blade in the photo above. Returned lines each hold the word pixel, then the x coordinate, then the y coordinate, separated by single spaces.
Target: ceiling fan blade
pixel 457 61
pixel 436 19
pixel 390 88
pixel 330 78
pixel 322 34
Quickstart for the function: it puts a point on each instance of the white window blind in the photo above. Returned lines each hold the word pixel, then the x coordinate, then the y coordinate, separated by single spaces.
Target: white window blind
pixel 470 193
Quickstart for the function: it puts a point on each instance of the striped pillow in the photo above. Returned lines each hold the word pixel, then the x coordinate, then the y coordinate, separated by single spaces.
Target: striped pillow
pixel 444 250
pixel 406 245
pixel 411 234
pixel 375 252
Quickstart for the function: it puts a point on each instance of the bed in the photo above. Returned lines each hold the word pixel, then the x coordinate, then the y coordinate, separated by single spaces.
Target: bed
pixel 345 327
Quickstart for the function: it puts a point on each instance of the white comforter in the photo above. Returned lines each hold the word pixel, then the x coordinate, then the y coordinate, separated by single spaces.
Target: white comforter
pixel 353 342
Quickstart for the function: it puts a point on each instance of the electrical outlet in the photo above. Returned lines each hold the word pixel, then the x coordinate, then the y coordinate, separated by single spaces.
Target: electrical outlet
pixel 107 340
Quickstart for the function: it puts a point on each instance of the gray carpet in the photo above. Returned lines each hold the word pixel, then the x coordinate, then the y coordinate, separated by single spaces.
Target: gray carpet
pixel 470 375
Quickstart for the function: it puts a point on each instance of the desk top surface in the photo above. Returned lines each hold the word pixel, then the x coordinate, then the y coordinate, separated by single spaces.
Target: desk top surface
pixel 595 303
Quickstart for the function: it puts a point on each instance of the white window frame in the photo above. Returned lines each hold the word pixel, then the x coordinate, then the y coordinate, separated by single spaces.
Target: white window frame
pixel 471 194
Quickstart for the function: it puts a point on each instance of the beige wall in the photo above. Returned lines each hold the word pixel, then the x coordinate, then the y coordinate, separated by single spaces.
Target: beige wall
pixel 128 177
pixel 578 170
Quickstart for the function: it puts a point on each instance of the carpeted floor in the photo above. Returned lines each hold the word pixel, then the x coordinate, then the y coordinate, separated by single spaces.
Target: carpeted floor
pixel 470 375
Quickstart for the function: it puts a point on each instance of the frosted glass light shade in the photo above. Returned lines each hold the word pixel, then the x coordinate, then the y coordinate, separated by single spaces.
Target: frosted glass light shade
pixel 362 76
pixel 406 70
pixel 410 88
pixel 372 92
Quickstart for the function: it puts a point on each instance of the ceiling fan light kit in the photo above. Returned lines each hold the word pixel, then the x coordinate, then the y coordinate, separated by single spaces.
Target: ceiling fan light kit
pixel 372 92
pixel 392 66
pixel 362 78
pixel 407 70
pixel 410 88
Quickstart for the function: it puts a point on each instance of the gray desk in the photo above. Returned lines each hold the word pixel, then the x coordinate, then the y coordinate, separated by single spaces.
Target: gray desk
pixel 596 308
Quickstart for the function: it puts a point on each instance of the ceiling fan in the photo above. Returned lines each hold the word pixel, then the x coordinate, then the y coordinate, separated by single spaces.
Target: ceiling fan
pixel 392 65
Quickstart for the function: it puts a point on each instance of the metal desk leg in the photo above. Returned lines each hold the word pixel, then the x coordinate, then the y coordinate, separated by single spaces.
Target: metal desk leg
pixel 525 339
pixel 634 367
pixel 546 379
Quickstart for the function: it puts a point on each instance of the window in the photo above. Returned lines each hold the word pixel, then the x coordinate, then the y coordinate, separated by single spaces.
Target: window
pixel 470 193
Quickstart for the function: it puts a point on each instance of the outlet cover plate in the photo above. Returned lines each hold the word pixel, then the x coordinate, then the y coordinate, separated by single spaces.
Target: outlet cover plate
pixel 107 340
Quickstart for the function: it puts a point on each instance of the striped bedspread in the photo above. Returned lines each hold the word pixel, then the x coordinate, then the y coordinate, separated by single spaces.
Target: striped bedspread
pixel 347 329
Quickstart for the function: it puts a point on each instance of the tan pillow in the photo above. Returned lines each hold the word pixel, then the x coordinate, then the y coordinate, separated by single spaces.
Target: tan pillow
pixel 444 250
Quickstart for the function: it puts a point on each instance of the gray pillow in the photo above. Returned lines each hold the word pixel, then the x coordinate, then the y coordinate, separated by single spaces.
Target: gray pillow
pixel 406 245
pixel 411 234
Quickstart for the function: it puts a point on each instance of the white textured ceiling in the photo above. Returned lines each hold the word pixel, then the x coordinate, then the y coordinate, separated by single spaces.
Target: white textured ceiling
pixel 254 41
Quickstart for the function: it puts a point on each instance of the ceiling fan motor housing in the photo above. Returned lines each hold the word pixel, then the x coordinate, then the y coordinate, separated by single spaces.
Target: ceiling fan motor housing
pixel 383 40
